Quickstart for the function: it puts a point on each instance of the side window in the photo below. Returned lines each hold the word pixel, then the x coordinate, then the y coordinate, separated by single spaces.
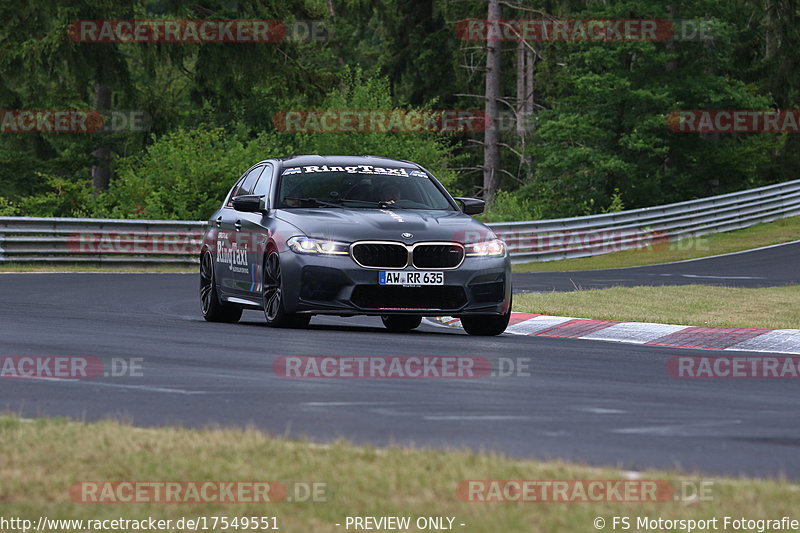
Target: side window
pixel 232 193
pixel 262 187
pixel 250 181
pixel 245 185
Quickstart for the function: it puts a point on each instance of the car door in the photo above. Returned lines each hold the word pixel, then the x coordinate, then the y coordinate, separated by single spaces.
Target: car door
pixel 233 244
pixel 255 229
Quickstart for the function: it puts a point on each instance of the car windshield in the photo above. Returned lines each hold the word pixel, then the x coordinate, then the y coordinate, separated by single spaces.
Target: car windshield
pixel 361 186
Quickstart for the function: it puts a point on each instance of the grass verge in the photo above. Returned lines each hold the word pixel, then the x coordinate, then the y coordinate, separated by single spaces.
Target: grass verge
pixel 43 458
pixel 691 305
pixel 783 230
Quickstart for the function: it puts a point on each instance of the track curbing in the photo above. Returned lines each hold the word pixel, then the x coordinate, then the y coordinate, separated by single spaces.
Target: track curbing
pixel 780 341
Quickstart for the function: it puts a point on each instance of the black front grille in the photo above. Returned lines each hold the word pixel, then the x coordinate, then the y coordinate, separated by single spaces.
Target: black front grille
pixel 381 255
pixel 442 297
pixel 438 255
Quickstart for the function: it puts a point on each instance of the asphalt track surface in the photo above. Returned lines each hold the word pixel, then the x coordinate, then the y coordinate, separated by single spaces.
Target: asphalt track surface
pixel 592 402
pixel 765 267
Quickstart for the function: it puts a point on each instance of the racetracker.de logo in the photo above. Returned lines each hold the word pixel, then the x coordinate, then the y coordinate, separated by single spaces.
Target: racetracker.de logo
pixel 380 120
pixel 596 241
pixel 176 31
pixel 582 30
pixel 400 367
pixel 734 367
pixel 582 490
pixel 734 121
pixel 177 492
pixel 118 242
pixel 50 121
pixel 68 367
pixel 72 121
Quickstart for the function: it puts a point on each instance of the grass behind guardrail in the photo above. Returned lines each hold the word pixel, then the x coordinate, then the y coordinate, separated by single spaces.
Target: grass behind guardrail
pixel 43 458
pixel 779 231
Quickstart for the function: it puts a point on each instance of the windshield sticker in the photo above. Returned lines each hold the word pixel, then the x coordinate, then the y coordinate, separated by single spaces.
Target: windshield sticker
pixel 358 169
pixel 295 170
pixel 417 173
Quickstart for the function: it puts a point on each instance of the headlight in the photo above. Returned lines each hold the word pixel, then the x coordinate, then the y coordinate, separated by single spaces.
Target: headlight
pixel 307 245
pixel 486 248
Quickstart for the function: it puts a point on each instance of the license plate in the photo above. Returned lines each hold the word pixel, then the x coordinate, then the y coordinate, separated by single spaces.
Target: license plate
pixel 410 278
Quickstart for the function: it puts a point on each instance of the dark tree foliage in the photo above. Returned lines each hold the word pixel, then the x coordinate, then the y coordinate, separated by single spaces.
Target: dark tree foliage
pixel 590 134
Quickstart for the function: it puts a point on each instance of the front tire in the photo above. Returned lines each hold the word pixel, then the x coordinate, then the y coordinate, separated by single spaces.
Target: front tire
pixel 272 297
pixel 214 309
pixel 401 323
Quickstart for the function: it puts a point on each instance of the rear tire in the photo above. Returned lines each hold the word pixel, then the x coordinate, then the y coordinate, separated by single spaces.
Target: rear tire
pixel 400 323
pixel 272 297
pixel 486 325
pixel 214 309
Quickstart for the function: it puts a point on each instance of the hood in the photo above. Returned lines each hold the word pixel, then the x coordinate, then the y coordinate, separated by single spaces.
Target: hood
pixel 348 225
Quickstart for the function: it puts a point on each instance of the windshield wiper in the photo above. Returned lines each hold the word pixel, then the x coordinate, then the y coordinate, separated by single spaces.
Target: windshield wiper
pixel 381 204
pixel 315 202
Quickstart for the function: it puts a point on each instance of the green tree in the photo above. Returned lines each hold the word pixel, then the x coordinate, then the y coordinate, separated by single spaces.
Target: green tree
pixel 607 130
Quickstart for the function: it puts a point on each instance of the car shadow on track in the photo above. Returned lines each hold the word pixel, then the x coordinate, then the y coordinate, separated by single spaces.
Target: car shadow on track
pixel 362 328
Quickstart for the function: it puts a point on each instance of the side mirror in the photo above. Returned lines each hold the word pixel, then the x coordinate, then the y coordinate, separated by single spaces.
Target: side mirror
pixel 471 206
pixel 250 203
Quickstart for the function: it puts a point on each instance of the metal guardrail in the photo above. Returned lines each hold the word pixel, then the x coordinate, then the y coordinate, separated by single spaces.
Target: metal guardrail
pixel 110 241
pixel 99 241
pixel 565 238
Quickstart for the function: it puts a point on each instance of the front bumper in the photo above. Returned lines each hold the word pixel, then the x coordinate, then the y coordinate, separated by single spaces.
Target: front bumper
pixel 337 285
